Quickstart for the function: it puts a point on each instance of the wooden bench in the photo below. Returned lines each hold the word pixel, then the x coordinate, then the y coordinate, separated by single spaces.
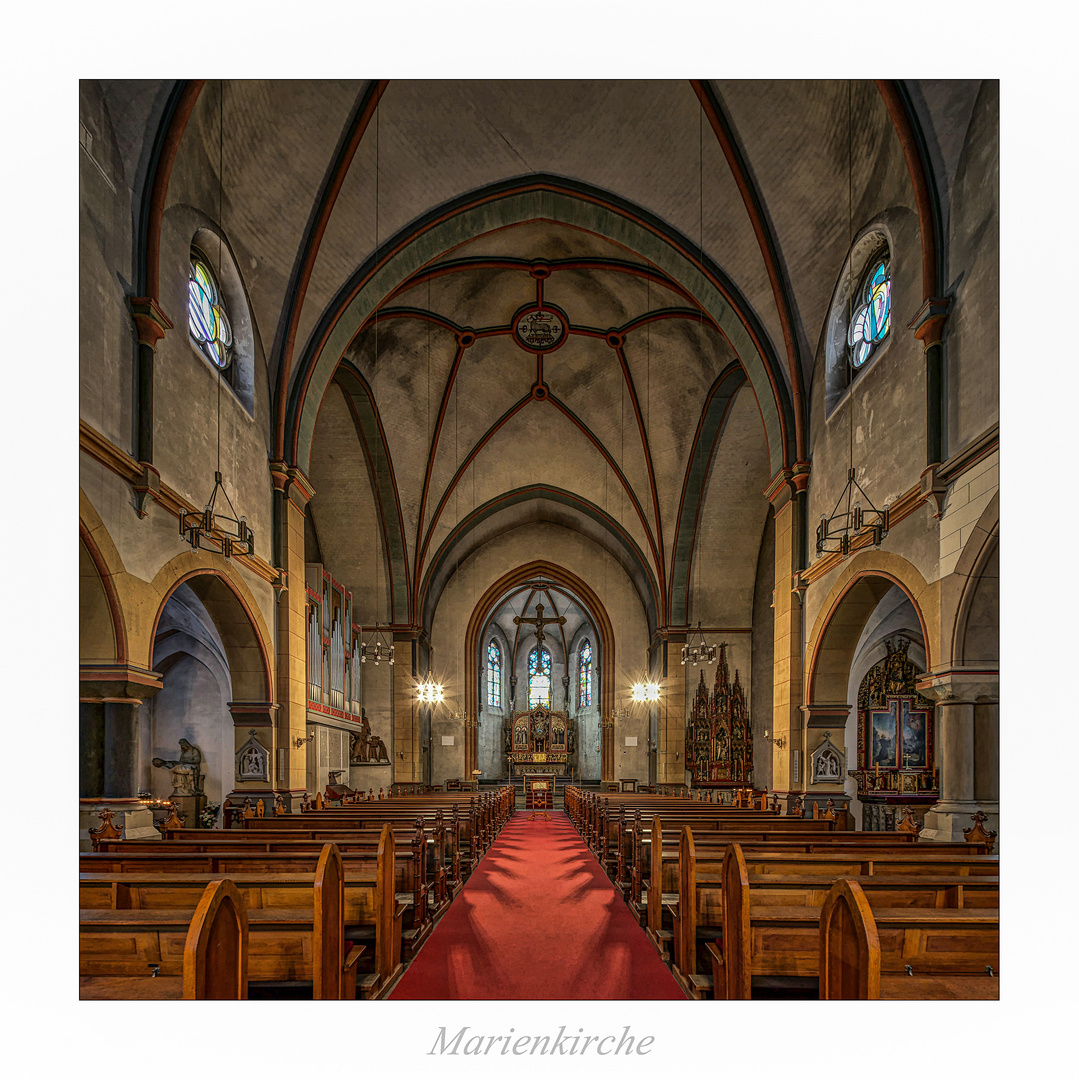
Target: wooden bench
pixel 305 943
pixel 214 958
pixel 780 941
pixel 850 959
pixel 373 910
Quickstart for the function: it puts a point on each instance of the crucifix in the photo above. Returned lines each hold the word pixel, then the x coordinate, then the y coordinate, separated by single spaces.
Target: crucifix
pixel 540 622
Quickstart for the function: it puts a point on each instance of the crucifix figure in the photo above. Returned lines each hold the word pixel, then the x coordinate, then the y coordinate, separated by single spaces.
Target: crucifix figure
pixel 540 622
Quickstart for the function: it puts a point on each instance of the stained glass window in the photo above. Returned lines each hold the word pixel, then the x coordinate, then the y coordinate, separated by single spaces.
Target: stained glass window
pixel 586 673
pixel 873 317
pixel 539 678
pixel 206 316
pixel 494 674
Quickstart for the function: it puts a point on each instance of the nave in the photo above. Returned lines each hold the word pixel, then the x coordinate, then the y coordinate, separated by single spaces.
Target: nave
pixel 538 920
pixel 635 897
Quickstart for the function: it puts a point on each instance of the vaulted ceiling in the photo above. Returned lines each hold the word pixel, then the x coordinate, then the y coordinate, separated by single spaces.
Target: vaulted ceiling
pixel 687 235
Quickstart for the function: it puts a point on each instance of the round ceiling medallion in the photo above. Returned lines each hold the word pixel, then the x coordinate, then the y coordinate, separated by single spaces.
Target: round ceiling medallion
pixel 540 329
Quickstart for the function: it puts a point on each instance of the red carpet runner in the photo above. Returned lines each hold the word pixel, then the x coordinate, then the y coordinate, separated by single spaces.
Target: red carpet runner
pixel 538 919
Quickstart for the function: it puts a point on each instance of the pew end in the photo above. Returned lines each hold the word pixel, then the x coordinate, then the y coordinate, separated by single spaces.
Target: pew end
pixel 849 966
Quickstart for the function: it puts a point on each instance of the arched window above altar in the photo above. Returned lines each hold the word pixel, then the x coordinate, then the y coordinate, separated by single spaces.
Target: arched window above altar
pixel 539 678
pixel 585 678
pixel 494 675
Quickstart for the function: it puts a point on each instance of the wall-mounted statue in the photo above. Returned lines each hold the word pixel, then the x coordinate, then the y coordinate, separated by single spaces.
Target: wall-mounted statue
pixel 376 751
pixel 360 742
pixel 186 771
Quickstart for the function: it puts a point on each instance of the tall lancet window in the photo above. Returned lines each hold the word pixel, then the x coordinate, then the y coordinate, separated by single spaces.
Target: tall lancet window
pixel 539 678
pixel 585 661
pixel 494 675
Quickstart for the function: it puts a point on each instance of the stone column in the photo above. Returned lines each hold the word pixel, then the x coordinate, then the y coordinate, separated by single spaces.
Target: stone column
pixel 987 753
pixel 258 720
pixel 121 761
pixel 292 493
pixel 787 495
pixel 928 326
pixel 110 753
pixel 406 708
pixel 672 715
pixel 825 722
pixel 959 693
pixel 91 749
pixel 151 324
pixel 109 699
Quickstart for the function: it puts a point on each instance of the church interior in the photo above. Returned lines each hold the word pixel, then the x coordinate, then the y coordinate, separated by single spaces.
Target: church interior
pixel 502 496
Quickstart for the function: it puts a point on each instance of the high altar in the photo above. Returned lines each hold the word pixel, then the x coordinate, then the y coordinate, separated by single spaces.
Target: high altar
pixel 541 741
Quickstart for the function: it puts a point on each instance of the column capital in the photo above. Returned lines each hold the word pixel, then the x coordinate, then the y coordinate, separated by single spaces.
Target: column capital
pixel 151 323
pixel 254 713
pixel 117 682
pixel 293 482
pixel 826 715
pixel 962 684
pixel 928 324
pixel 787 483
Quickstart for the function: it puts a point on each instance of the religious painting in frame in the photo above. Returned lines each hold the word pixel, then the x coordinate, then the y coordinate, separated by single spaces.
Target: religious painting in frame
pixel 882 735
pixel 912 726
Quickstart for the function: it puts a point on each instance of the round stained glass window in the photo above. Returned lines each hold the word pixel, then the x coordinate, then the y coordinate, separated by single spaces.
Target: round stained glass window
pixel 872 318
pixel 206 315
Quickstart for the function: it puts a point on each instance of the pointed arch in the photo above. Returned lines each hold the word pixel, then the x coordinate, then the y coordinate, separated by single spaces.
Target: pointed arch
pixel 235 614
pixel 843 616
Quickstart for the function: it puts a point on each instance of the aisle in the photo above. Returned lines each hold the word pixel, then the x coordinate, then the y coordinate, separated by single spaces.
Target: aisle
pixel 537 919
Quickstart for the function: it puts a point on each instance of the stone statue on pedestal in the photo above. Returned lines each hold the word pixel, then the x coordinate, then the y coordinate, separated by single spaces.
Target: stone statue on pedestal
pixel 186 771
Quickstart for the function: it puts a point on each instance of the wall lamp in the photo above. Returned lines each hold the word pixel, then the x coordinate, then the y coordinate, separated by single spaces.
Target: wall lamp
pixel 779 741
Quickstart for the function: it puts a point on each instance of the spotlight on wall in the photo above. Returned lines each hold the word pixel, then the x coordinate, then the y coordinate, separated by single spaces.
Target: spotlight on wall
pixel 647 691
pixel 431 693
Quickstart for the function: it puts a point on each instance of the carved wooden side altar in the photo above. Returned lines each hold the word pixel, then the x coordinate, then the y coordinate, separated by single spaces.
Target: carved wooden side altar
pixel 541 741
pixel 719 743
pixel 897 765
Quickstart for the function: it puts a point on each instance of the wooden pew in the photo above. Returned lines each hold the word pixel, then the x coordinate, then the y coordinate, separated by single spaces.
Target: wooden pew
pixel 691 891
pixel 372 911
pixel 434 874
pixel 282 943
pixel 772 940
pixel 850 959
pixel 214 958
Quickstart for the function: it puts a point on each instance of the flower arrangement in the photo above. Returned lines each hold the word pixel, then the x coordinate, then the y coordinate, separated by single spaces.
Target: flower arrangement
pixel 208 817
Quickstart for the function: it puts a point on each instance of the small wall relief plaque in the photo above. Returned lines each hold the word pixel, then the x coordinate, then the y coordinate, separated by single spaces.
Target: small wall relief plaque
pixel 827 762
pixel 252 760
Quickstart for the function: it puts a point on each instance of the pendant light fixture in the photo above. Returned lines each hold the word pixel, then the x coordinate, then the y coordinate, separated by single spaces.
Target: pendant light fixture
pixel 836 531
pixel 212 529
pixel 647 691
pixel 378 648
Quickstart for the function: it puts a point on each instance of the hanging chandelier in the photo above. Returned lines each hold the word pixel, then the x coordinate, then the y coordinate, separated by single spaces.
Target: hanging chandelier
pixel 834 533
pixel 378 648
pixel 646 691
pixel 695 652
pixel 430 693
pixel 212 529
